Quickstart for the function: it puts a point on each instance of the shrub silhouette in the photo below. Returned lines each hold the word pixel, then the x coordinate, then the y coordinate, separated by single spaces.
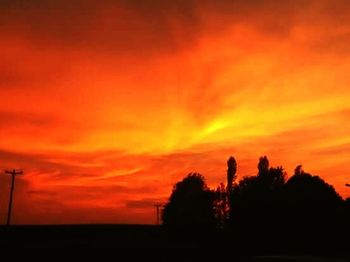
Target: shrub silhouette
pixel 191 205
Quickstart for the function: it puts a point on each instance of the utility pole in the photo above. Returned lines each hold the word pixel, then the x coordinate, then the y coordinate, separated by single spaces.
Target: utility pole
pixel 13 173
pixel 158 206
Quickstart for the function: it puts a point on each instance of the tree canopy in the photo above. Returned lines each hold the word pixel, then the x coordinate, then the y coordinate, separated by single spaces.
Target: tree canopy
pixel 191 204
pixel 263 203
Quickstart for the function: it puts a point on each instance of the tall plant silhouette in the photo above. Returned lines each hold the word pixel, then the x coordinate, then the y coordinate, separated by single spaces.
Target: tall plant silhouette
pixel 231 173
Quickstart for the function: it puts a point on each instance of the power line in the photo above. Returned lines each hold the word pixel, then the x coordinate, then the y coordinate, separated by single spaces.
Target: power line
pixel 13 173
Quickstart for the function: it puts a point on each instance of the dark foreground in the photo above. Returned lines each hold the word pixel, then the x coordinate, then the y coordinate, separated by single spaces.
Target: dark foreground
pixel 154 243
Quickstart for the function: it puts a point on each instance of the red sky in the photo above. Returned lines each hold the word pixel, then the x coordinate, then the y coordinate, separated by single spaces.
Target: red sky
pixel 106 105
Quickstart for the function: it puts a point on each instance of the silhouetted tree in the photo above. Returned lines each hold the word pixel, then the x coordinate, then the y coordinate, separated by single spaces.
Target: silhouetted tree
pixel 256 200
pixel 231 173
pixel 310 195
pixel 312 208
pixel 222 194
pixel 221 205
pixel 298 170
pixel 305 209
pixel 263 166
pixel 269 178
pixel 276 177
pixel 191 204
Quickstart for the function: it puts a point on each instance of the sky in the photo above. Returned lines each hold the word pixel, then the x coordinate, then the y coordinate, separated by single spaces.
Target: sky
pixel 105 105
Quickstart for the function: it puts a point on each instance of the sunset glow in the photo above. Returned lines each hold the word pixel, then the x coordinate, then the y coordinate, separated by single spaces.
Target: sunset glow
pixel 106 106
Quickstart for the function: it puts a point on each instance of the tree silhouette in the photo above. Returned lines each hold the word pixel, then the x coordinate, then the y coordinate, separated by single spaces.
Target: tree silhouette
pixel 310 195
pixel 222 193
pixel 276 177
pixel 221 205
pixel 313 209
pixel 265 211
pixel 263 166
pixel 298 170
pixel 231 173
pixel 258 199
pixel 268 179
pixel 191 204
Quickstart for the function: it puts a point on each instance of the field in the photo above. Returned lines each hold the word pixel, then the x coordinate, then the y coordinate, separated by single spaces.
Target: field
pixel 155 243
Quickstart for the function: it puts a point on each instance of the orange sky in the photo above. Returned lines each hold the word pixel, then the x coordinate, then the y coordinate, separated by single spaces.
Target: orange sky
pixel 106 106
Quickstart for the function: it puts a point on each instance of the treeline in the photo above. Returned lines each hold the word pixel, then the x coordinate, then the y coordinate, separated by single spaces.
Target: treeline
pixel 267 206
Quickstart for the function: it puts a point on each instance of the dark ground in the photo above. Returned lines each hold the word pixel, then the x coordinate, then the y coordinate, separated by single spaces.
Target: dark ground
pixel 155 243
